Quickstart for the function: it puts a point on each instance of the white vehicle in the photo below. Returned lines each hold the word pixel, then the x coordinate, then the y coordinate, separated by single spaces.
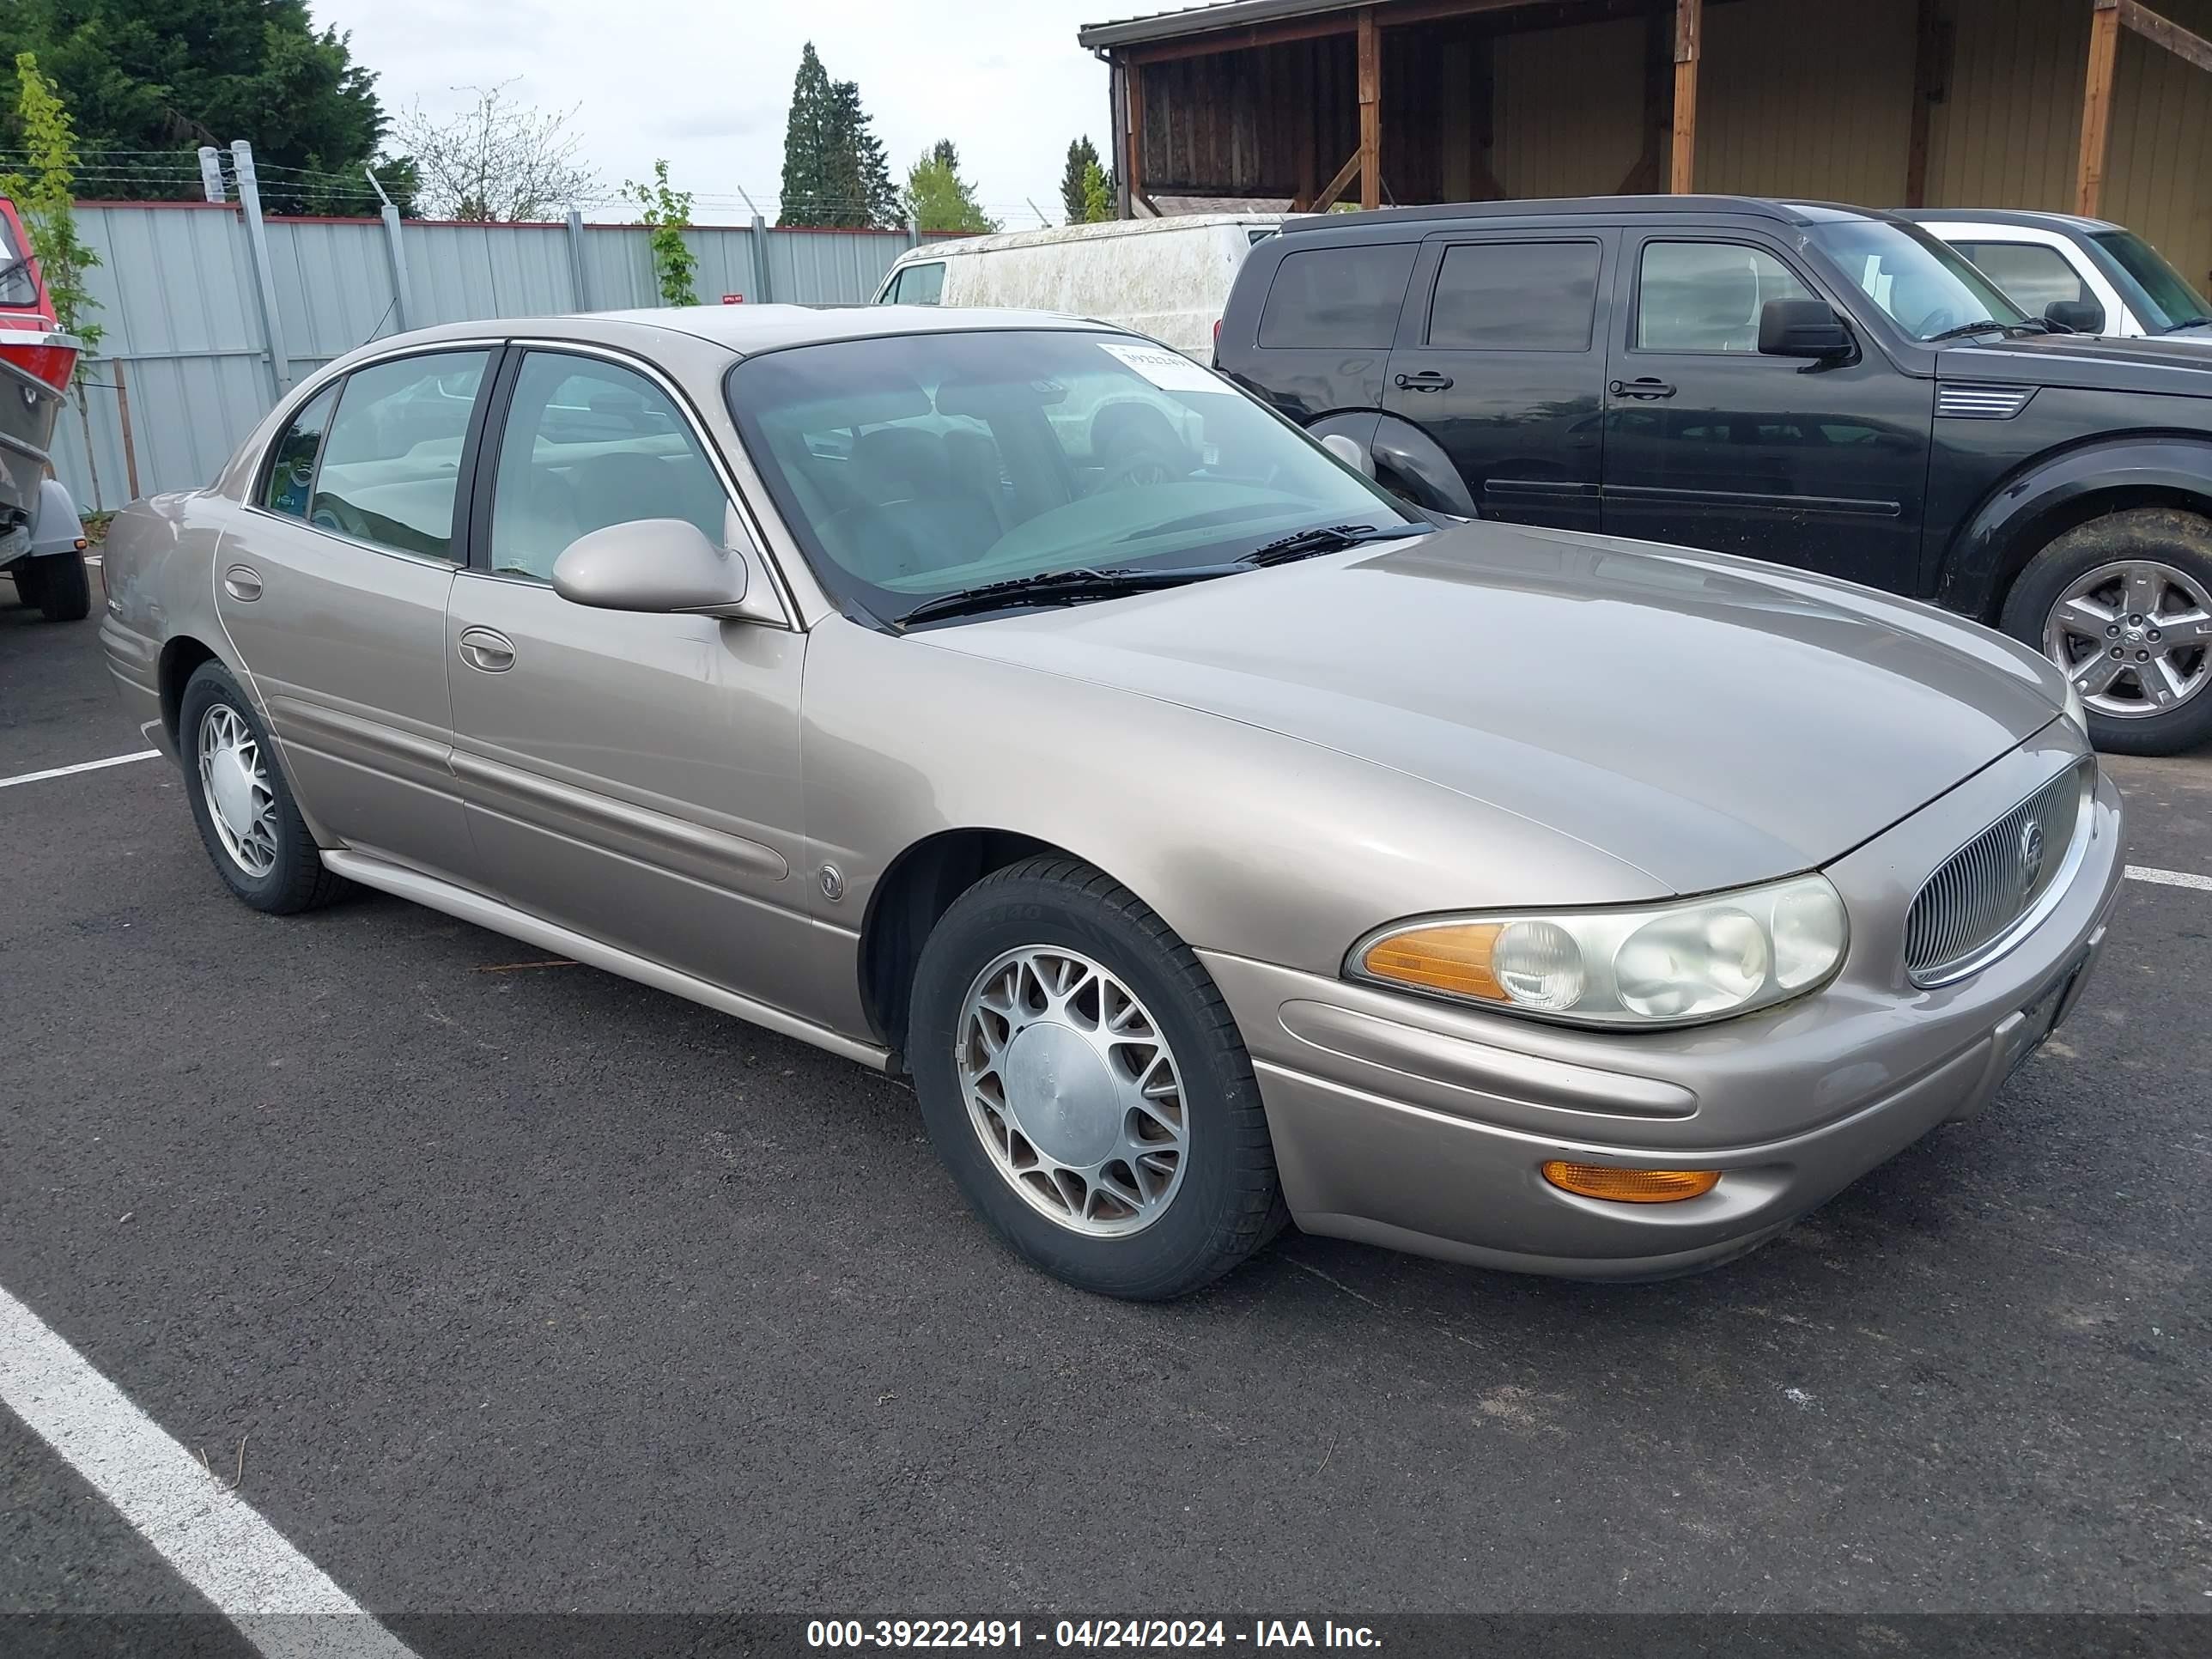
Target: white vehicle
pixel 2081 267
pixel 1166 277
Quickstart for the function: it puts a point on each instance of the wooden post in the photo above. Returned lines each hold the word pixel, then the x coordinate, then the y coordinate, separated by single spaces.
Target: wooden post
pixel 1689 20
pixel 2097 105
pixel 123 420
pixel 1928 73
pixel 1304 119
pixel 1133 164
pixel 1370 111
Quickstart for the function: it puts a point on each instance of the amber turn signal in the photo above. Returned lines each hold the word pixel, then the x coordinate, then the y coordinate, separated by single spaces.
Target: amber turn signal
pixel 1629 1186
pixel 1455 958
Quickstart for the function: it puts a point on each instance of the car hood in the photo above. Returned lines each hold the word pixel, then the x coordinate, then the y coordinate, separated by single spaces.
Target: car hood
pixel 1711 721
pixel 2165 362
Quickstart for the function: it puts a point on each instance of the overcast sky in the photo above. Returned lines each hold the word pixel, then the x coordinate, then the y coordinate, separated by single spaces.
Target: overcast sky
pixel 707 85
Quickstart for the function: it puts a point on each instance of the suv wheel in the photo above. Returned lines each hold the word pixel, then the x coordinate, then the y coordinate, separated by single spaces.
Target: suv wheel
pixel 1086 1084
pixel 2124 604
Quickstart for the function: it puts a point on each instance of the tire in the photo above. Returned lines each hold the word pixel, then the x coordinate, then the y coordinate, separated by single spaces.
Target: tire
pixel 1222 1200
pixel 26 574
pixel 2174 548
pixel 64 587
pixel 295 877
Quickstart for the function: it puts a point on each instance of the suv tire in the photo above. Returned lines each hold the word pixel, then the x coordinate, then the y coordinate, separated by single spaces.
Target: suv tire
pixel 2102 587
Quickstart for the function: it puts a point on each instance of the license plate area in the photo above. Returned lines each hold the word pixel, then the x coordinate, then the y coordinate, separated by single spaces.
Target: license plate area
pixel 2038 1019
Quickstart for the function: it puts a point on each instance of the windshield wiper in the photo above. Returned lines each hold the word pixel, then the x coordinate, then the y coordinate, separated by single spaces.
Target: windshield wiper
pixel 2171 328
pixel 1060 587
pixel 1329 539
pixel 1962 329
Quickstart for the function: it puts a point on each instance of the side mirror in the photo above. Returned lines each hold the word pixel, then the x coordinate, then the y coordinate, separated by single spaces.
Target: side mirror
pixel 1802 328
pixel 1352 453
pixel 2075 316
pixel 651 564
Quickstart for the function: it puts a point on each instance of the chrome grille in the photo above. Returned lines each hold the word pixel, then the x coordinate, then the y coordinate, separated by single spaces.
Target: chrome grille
pixel 1990 890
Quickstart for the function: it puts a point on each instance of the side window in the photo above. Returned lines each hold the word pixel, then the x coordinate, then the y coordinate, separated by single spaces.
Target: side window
pixel 1338 297
pixel 1706 296
pixel 589 444
pixel 922 285
pixel 393 456
pixel 1516 296
pixel 2031 273
pixel 292 462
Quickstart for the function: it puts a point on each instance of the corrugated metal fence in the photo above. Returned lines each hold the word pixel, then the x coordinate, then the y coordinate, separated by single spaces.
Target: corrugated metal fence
pixel 186 366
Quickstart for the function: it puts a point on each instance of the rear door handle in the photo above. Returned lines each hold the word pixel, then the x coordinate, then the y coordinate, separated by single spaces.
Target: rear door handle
pixel 1648 388
pixel 1426 380
pixel 243 583
pixel 488 649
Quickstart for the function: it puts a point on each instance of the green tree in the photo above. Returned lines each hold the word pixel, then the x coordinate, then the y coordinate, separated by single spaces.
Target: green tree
pixel 666 213
pixel 937 199
pixel 44 191
pixel 1097 195
pixel 835 171
pixel 149 81
pixel 1082 157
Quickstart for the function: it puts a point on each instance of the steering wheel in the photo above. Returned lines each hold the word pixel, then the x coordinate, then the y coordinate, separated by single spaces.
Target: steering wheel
pixel 1142 467
pixel 1936 321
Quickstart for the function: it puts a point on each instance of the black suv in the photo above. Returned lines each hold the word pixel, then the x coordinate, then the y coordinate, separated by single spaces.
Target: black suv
pixel 1819 385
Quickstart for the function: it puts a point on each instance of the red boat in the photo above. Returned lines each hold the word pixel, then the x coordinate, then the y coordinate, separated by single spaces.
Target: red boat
pixel 36 362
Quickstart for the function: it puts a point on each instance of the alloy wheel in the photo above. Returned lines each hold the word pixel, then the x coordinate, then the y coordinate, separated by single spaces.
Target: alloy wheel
pixel 241 799
pixel 1072 1089
pixel 2135 636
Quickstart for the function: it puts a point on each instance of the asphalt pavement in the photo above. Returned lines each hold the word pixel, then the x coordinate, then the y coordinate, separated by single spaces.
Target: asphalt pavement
pixel 527 1290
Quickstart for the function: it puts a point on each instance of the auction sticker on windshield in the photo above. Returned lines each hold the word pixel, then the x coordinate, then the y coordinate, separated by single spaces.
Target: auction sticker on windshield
pixel 1168 369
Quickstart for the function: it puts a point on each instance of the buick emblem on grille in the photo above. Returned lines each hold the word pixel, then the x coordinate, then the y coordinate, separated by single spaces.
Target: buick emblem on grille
pixel 2030 853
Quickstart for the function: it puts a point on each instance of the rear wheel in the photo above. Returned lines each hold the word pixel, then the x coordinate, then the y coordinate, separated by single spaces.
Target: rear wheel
pixel 255 834
pixel 65 586
pixel 2124 604
pixel 1086 1084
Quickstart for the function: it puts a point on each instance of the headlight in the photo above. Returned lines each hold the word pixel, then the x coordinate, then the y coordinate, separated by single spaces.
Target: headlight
pixel 2074 711
pixel 1649 964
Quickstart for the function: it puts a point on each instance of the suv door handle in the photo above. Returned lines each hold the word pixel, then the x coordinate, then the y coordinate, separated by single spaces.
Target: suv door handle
pixel 1427 381
pixel 1647 387
pixel 487 649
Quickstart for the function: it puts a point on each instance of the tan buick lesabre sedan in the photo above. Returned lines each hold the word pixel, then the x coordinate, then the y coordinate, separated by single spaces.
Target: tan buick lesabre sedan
pixel 1006 702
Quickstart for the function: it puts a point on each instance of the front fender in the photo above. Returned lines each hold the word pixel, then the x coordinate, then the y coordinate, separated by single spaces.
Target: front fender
pixel 2049 494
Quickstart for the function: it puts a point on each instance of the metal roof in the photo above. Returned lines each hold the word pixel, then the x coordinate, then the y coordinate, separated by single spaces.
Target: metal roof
pixel 1202 20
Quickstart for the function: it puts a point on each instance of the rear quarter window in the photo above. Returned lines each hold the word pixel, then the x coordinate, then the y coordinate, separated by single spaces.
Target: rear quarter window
pixel 1338 297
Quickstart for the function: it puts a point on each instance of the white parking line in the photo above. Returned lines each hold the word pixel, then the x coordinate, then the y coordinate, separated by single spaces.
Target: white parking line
pixel 82 766
pixel 282 1602
pixel 2168 877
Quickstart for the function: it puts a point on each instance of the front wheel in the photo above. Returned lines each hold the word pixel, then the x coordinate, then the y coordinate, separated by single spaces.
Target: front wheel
pixel 1086 1084
pixel 2124 604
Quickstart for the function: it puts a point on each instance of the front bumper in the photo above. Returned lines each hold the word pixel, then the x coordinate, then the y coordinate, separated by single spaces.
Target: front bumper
pixel 1421 1126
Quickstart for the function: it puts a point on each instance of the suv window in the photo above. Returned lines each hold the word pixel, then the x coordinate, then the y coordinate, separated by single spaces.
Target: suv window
pixel 393 453
pixel 1706 296
pixel 292 462
pixel 1338 296
pixel 2032 272
pixel 588 443
pixel 917 285
pixel 1516 296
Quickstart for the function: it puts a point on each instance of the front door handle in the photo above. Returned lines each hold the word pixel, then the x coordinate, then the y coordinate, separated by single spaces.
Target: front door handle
pixel 488 649
pixel 1426 380
pixel 243 583
pixel 1647 388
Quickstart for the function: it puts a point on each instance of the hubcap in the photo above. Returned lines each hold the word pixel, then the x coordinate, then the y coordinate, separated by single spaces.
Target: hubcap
pixel 1072 1089
pixel 242 804
pixel 2135 636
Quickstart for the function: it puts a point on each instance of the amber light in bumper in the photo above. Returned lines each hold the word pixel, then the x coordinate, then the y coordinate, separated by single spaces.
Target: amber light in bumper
pixel 1629 1186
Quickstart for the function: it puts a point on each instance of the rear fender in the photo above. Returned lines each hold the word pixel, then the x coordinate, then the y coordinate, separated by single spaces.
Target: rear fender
pixel 1408 457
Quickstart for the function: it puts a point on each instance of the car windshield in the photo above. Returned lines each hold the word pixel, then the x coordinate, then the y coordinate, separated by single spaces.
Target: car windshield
pixel 1920 285
pixel 2172 301
pixel 915 465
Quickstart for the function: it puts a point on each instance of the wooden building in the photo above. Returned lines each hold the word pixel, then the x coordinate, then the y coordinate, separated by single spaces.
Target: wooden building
pixel 2098 107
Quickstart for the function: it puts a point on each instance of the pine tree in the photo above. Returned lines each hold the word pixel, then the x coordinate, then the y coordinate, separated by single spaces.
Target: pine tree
pixel 863 171
pixel 808 138
pixel 1082 154
pixel 937 197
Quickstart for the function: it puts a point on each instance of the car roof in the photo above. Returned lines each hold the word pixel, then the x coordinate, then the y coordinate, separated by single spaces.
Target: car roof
pixel 1588 207
pixel 749 328
pixel 1103 230
pixel 2026 217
